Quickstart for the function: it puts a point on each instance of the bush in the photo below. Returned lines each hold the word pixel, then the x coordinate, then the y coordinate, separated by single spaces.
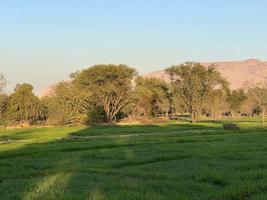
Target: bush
pixel 230 126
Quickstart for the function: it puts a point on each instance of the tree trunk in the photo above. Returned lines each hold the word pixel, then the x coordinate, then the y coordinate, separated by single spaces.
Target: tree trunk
pixel 134 115
pixel 194 117
pixel 109 118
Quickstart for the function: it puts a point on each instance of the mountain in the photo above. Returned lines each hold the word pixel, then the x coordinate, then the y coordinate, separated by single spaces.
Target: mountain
pixel 237 73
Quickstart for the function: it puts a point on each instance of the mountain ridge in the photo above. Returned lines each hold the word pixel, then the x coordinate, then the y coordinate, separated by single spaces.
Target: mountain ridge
pixel 237 73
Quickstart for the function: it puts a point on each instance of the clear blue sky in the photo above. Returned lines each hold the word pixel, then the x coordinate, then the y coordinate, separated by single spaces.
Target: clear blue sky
pixel 42 41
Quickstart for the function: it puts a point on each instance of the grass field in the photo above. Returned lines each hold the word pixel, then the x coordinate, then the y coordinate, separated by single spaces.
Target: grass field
pixel 164 161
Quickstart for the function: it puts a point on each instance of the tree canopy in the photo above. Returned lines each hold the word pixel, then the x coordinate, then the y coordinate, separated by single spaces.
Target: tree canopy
pixel 111 93
pixel 111 85
pixel 24 107
pixel 235 99
pixel 2 82
pixel 258 93
pixel 195 84
pixel 151 97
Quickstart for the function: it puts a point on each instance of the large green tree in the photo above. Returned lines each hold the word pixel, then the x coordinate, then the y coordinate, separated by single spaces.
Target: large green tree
pixel 194 84
pixel 258 93
pixel 74 102
pixel 24 107
pixel 67 105
pixel 110 85
pixel 236 98
pixel 151 97
pixel 55 113
pixel 217 103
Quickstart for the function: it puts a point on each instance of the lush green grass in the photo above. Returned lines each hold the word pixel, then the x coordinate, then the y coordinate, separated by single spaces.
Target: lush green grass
pixel 177 161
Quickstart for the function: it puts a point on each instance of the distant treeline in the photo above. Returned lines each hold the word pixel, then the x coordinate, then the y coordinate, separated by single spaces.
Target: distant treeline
pixel 110 93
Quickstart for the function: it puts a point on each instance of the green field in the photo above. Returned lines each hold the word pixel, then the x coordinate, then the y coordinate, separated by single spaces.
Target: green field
pixel 164 161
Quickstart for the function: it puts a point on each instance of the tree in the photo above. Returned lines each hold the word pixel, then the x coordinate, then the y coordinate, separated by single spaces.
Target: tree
pixel 258 92
pixel 55 114
pixel 3 105
pixel 24 107
pixel 111 85
pixel 3 97
pixel 2 83
pixel 67 105
pixel 73 101
pixel 236 99
pixel 217 103
pixel 194 84
pixel 151 97
pixel 249 107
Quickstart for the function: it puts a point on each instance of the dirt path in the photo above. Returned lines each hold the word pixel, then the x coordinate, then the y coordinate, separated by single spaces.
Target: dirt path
pixel 140 135
pixel 8 141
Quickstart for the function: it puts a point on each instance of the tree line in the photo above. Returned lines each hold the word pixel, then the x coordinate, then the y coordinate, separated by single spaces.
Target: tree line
pixel 110 93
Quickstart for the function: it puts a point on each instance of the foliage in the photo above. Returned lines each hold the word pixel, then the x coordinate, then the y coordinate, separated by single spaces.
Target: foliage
pixel 217 103
pixel 68 105
pixel 195 84
pixel 74 102
pixel 258 94
pixel 3 98
pixel 2 83
pixel 235 99
pixel 112 93
pixel 24 107
pixel 151 98
pixel 3 106
pixel 111 85
pixel 56 115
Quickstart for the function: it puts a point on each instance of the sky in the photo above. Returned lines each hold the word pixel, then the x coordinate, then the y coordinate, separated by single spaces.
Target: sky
pixel 42 42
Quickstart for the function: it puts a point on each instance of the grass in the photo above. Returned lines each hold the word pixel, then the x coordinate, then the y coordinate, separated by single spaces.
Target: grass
pixel 172 161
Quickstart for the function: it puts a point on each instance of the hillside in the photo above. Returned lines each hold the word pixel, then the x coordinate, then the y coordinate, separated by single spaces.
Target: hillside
pixel 237 73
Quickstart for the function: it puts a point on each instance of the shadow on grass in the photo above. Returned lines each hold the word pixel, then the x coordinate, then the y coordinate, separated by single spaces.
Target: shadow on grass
pixel 94 169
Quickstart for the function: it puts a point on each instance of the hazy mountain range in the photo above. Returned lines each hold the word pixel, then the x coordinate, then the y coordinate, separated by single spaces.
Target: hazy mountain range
pixel 237 73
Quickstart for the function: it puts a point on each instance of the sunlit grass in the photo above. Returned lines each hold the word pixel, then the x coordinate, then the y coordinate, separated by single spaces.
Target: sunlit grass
pixel 50 187
pixel 183 161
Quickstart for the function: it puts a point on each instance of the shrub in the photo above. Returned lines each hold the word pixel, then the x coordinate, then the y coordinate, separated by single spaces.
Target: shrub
pixel 230 126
